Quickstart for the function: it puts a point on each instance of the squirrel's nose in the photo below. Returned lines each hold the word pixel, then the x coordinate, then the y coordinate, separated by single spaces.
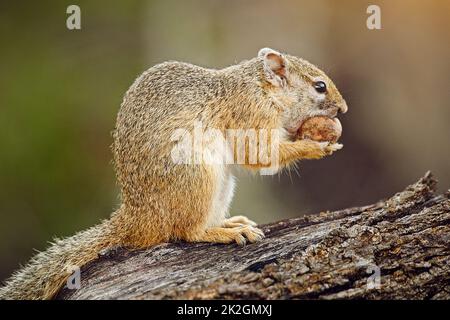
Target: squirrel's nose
pixel 343 107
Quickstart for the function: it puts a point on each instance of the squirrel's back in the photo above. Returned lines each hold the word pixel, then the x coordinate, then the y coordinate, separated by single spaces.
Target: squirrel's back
pixel 166 96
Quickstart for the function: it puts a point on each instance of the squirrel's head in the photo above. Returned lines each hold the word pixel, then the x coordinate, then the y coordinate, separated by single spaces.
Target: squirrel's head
pixel 298 89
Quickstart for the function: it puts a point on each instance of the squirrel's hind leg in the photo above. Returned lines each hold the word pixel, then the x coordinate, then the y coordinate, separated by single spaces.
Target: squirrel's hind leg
pixel 240 235
pixel 213 226
pixel 237 221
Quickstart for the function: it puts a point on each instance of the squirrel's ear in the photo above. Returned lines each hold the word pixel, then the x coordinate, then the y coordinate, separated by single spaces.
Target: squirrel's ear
pixel 274 66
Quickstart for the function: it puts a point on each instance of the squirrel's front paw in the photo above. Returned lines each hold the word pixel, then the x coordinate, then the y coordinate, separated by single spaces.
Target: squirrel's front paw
pixel 329 148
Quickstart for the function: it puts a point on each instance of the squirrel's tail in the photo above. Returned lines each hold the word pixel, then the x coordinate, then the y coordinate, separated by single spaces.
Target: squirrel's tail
pixel 48 271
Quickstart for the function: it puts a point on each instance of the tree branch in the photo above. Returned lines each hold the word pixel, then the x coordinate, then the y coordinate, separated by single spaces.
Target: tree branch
pixel 405 240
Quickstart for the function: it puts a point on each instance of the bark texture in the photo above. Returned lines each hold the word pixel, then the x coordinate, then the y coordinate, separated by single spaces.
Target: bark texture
pixel 398 248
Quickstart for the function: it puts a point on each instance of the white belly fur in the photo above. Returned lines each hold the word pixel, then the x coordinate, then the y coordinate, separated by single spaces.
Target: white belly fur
pixel 223 195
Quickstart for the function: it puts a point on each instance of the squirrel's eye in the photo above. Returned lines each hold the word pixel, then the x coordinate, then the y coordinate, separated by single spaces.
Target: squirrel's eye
pixel 320 86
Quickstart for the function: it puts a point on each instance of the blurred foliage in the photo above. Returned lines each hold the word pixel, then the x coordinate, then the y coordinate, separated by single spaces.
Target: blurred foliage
pixel 60 91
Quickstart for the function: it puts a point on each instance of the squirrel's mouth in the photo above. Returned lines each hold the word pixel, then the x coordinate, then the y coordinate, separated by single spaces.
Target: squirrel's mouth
pixel 293 130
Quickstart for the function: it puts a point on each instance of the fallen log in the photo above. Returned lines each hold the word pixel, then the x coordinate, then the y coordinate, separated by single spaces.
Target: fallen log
pixel 398 248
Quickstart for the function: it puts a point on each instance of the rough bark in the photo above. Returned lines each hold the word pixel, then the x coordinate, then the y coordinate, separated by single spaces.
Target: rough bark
pixel 331 255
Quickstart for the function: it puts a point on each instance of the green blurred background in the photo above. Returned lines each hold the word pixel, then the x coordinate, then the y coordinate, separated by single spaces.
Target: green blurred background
pixel 60 91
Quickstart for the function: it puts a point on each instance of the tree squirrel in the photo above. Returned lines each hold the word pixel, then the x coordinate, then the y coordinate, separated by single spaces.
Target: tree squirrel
pixel 163 201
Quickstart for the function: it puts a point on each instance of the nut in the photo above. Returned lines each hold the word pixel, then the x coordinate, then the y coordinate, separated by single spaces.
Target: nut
pixel 321 129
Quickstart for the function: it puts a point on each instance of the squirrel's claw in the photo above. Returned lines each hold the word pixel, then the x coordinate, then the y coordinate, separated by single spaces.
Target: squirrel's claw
pixel 329 148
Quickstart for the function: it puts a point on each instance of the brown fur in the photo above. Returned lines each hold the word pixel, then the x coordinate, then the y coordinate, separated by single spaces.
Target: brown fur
pixel 163 201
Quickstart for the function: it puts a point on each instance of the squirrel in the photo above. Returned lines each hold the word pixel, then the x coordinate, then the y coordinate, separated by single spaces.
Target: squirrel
pixel 162 201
